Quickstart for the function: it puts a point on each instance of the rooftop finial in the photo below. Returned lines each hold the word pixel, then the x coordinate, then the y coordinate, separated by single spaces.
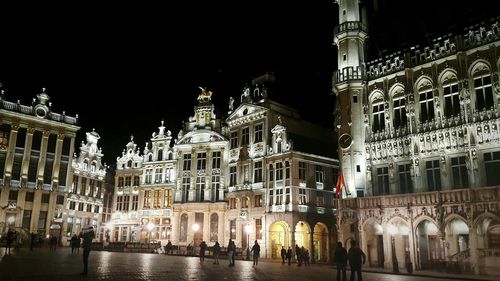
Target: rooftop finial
pixel 131 138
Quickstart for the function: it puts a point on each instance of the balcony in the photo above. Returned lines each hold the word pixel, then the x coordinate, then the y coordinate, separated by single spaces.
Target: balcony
pixel 349 26
pixel 347 74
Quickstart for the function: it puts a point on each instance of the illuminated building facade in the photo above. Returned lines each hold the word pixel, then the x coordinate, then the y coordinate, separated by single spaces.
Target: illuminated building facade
pixel 419 146
pixel 36 148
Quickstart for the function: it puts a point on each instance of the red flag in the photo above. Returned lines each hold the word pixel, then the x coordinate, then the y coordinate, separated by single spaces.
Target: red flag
pixel 340 184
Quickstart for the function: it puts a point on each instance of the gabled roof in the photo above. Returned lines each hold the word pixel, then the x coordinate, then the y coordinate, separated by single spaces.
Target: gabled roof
pixel 246 110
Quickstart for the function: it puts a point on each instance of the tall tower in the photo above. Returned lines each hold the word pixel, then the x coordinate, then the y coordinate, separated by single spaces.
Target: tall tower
pixel 349 88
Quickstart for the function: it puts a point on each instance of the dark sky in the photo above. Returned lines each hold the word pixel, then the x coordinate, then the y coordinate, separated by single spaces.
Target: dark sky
pixel 125 68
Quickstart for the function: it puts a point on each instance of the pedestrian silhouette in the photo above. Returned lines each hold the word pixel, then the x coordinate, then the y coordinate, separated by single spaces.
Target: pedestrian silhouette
pixel 341 262
pixel 256 253
pixel 283 254
pixel 356 259
pixel 87 235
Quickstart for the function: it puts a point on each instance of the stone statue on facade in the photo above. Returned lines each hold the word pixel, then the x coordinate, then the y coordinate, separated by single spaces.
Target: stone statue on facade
pixel 205 95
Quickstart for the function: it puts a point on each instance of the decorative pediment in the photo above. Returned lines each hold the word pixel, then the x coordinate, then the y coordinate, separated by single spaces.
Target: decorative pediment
pixel 245 113
pixel 200 136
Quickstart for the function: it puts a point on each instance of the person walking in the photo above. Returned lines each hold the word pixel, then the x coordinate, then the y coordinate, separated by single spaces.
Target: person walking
pixel 88 235
pixel 203 248
pixel 73 240
pixel 231 247
pixel 356 259
pixel 341 262
pixel 256 253
pixel 298 255
pixel 33 241
pixel 289 256
pixel 283 254
pixel 11 236
pixel 216 252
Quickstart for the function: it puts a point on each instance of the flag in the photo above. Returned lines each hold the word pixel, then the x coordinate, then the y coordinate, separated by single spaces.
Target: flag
pixel 340 184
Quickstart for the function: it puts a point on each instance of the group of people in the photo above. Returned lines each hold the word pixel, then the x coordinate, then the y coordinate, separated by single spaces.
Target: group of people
pixel 356 258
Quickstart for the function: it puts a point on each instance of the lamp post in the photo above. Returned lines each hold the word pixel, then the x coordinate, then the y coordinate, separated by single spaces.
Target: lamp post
pixel 196 227
pixel 150 226
pixel 247 230
pixel 393 231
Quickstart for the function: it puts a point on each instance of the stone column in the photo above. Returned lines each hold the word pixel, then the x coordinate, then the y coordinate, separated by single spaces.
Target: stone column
pixel 69 173
pixel 27 155
pixel 43 158
pixel 311 246
pixel 474 254
pixel 9 161
pixel 57 161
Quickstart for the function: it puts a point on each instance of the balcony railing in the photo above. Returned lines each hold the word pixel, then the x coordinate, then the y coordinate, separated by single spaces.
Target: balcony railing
pixel 349 26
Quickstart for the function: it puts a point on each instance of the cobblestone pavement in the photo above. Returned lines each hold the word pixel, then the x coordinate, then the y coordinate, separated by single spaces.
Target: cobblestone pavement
pixel 41 264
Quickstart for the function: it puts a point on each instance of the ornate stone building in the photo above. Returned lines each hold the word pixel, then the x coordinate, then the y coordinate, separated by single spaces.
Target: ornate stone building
pixel 36 146
pixel 419 147
pixel 281 176
pixel 84 204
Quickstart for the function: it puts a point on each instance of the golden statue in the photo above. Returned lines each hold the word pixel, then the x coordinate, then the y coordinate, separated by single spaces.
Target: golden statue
pixel 205 95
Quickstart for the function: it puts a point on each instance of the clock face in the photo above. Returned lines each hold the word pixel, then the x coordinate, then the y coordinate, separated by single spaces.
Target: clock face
pixel 345 141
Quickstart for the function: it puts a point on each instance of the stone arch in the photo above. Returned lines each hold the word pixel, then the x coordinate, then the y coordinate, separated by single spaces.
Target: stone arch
pixel 456 231
pixel 279 236
pixel 321 242
pixel 347 231
pixel 430 248
pixel 397 232
pixel 446 76
pixel 423 82
pixel 303 235
pixel 376 95
pixel 373 242
pixel 396 90
pixel 478 65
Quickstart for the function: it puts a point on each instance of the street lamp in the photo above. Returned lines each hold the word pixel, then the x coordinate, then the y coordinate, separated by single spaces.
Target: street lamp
pixel 196 227
pixel 393 231
pixel 247 230
pixel 150 226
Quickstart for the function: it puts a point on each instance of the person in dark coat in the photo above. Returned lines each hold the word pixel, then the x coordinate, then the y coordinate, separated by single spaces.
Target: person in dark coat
pixel 33 241
pixel 356 258
pixel 203 248
pixel 289 256
pixel 88 235
pixel 298 254
pixel 231 248
pixel 11 236
pixel 216 252
pixel 283 254
pixel 256 253
pixel 341 261
pixel 73 240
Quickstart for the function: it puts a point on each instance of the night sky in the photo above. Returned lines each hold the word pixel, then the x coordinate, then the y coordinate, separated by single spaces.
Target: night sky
pixel 125 68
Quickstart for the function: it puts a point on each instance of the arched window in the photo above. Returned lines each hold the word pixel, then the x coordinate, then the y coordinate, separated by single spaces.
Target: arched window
pixel 214 227
pixel 129 164
pixel 378 113
pixel 183 228
pixel 398 107
pixel 426 101
pixel 160 155
pixel 451 99
pixel 85 164
pixel 482 87
pixel 150 159
pixel 93 167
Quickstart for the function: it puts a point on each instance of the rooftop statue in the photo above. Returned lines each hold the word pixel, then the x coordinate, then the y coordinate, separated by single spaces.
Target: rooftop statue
pixel 205 95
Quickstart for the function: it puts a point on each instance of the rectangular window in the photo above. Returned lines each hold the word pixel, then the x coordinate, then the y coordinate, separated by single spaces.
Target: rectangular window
pixel 80 207
pixel 74 187
pixel 320 174
pixel 60 200
pixel 302 196
pixel 136 180
pixel 271 197
pixel 42 220
pixel 149 176
pixel 26 219
pixel 492 166
pixel 135 202
pixel 279 196
pixel 433 172
pixel 378 117
pixel 186 185
pixel 271 172
pixel 451 100
pixel 126 202
pixel 245 136
pixel 232 203
pixel 147 198
pixel 167 198
pixel 459 172
pixel 484 94
pixel 232 176
pixel 320 200
pixel 45 198
pixel 120 182
pixel 287 170
pixel 216 186
pixel 128 181
pixel 257 173
pixel 302 170
pixel 13 195
pixel 426 102
pixel 258 201
pixel 216 156
pixel 83 187
pixel 279 171
pixel 96 209
pixel 200 188
pixel 156 199
pixel 399 112
pixel 30 196
pixel 158 175
pixel 258 228
pixel 186 165
pixel 72 205
pixel 233 140
pixel 201 158
pixel 405 182
pixel 382 181
pixel 244 202
pixel 258 129
pixel 89 208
